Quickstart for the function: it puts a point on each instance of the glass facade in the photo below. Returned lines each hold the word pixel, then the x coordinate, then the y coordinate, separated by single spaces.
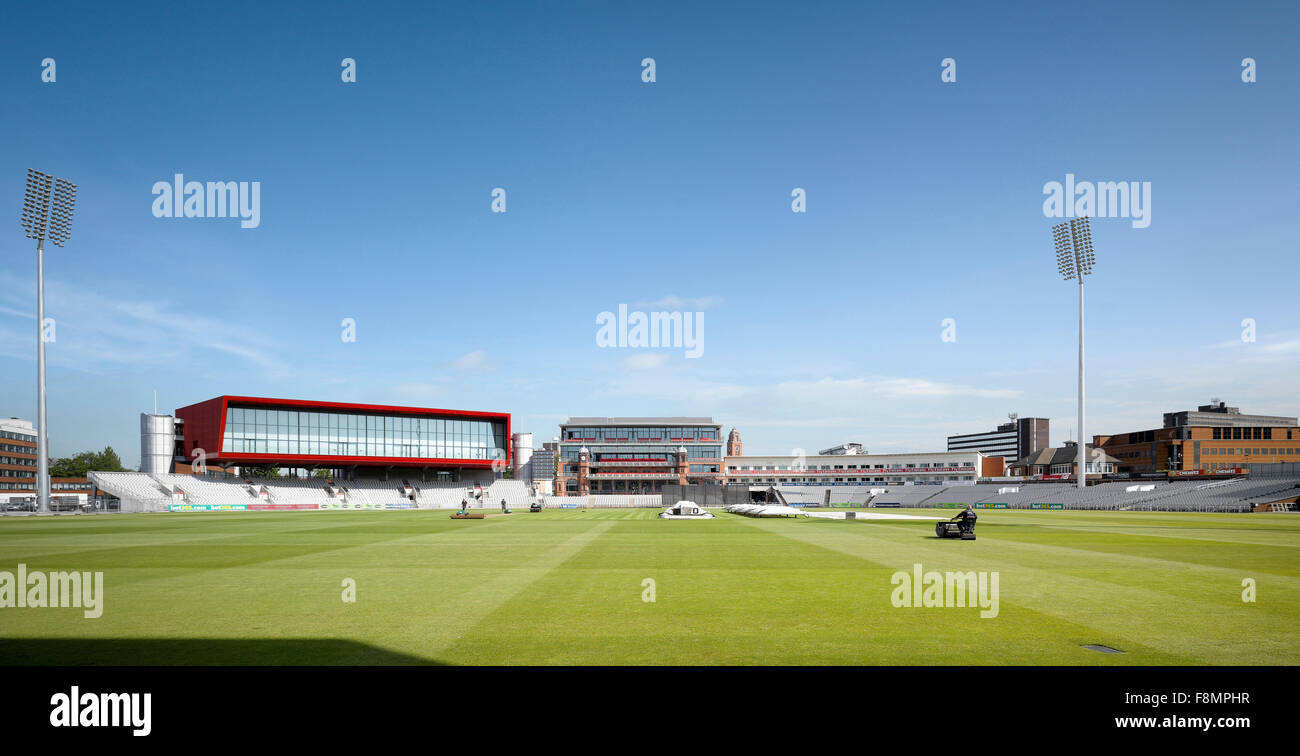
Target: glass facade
pixel 628 456
pixel 640 433
pixel 259 430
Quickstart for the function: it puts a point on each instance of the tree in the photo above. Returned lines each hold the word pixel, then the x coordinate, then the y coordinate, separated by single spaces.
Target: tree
pixel 109 461
pixel 78 465
pixel 261 472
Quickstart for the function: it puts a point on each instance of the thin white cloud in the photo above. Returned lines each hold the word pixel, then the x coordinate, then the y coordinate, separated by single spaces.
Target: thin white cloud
pixel 95 332
pixel 1285 347
pixel 28 314
pixel 475 360
pixel 644 361
pixel 890 388
pixel 674 302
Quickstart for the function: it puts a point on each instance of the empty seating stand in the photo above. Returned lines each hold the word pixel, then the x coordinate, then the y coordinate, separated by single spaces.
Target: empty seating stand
pixel 139 492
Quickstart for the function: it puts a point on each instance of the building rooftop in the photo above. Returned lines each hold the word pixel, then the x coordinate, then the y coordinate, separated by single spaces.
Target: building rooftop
pixel 640 421
pixel 850 448
pixel 16 425
pixel 1062 455
pixel 1220 414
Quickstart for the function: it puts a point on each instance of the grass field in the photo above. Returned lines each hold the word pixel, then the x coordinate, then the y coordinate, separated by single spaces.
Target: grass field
pixel 566 587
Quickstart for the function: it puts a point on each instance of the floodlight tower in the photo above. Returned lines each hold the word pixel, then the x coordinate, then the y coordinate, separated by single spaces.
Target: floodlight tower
pixel 1074 259
pixel 47 212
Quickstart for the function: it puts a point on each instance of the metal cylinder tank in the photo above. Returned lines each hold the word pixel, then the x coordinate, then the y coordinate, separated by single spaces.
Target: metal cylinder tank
pixel 157 442
pixel 523 443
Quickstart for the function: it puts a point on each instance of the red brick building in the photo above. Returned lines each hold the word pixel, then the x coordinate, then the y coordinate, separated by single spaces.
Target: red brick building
pixel 1214 436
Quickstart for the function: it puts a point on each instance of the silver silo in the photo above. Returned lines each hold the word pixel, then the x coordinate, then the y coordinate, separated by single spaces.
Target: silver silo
pixel 157 442
pixel 523 443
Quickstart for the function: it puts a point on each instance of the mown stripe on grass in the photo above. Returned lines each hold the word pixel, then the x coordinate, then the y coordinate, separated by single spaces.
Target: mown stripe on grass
pixel 1136 561
pixel 1285 538
pixel 57 538
pixel 1198 631
pixel 458 618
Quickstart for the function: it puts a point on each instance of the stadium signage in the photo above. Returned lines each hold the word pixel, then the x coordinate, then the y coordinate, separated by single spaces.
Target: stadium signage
pixel 207 507
pixel 917 589
pixel 77 709
pixel 1046 505
pixel 1199 472
pixel 992 505
pixel 53 590
pixel 350 505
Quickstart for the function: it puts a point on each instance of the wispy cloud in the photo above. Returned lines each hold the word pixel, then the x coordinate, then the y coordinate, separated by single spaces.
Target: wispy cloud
pixel 1284 347
pixel 475 360
pixel 674 302
pixel 890 388
pixel 95 332
pixel 644 361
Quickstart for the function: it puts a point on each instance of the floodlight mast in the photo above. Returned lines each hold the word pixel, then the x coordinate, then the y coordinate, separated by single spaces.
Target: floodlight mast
pixel 47 211
pixel 1074 260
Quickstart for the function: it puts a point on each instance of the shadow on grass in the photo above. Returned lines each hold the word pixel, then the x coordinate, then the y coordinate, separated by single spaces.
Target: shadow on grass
pixel 149 652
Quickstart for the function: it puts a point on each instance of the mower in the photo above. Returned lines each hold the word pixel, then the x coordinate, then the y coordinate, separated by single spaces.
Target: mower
pixel 954 529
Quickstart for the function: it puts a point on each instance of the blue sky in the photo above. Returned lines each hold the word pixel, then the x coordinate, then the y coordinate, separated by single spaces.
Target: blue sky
pixel 924 202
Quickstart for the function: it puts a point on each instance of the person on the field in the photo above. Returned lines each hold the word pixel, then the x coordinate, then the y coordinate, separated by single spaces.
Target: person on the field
pixel 968 518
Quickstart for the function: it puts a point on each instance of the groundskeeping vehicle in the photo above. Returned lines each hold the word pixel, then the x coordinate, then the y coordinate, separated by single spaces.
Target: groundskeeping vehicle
pixel 686 510
pixel 954 529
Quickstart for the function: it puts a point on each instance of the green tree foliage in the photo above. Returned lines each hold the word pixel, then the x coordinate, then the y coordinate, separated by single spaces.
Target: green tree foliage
pixel 77 466
pixel 260 472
